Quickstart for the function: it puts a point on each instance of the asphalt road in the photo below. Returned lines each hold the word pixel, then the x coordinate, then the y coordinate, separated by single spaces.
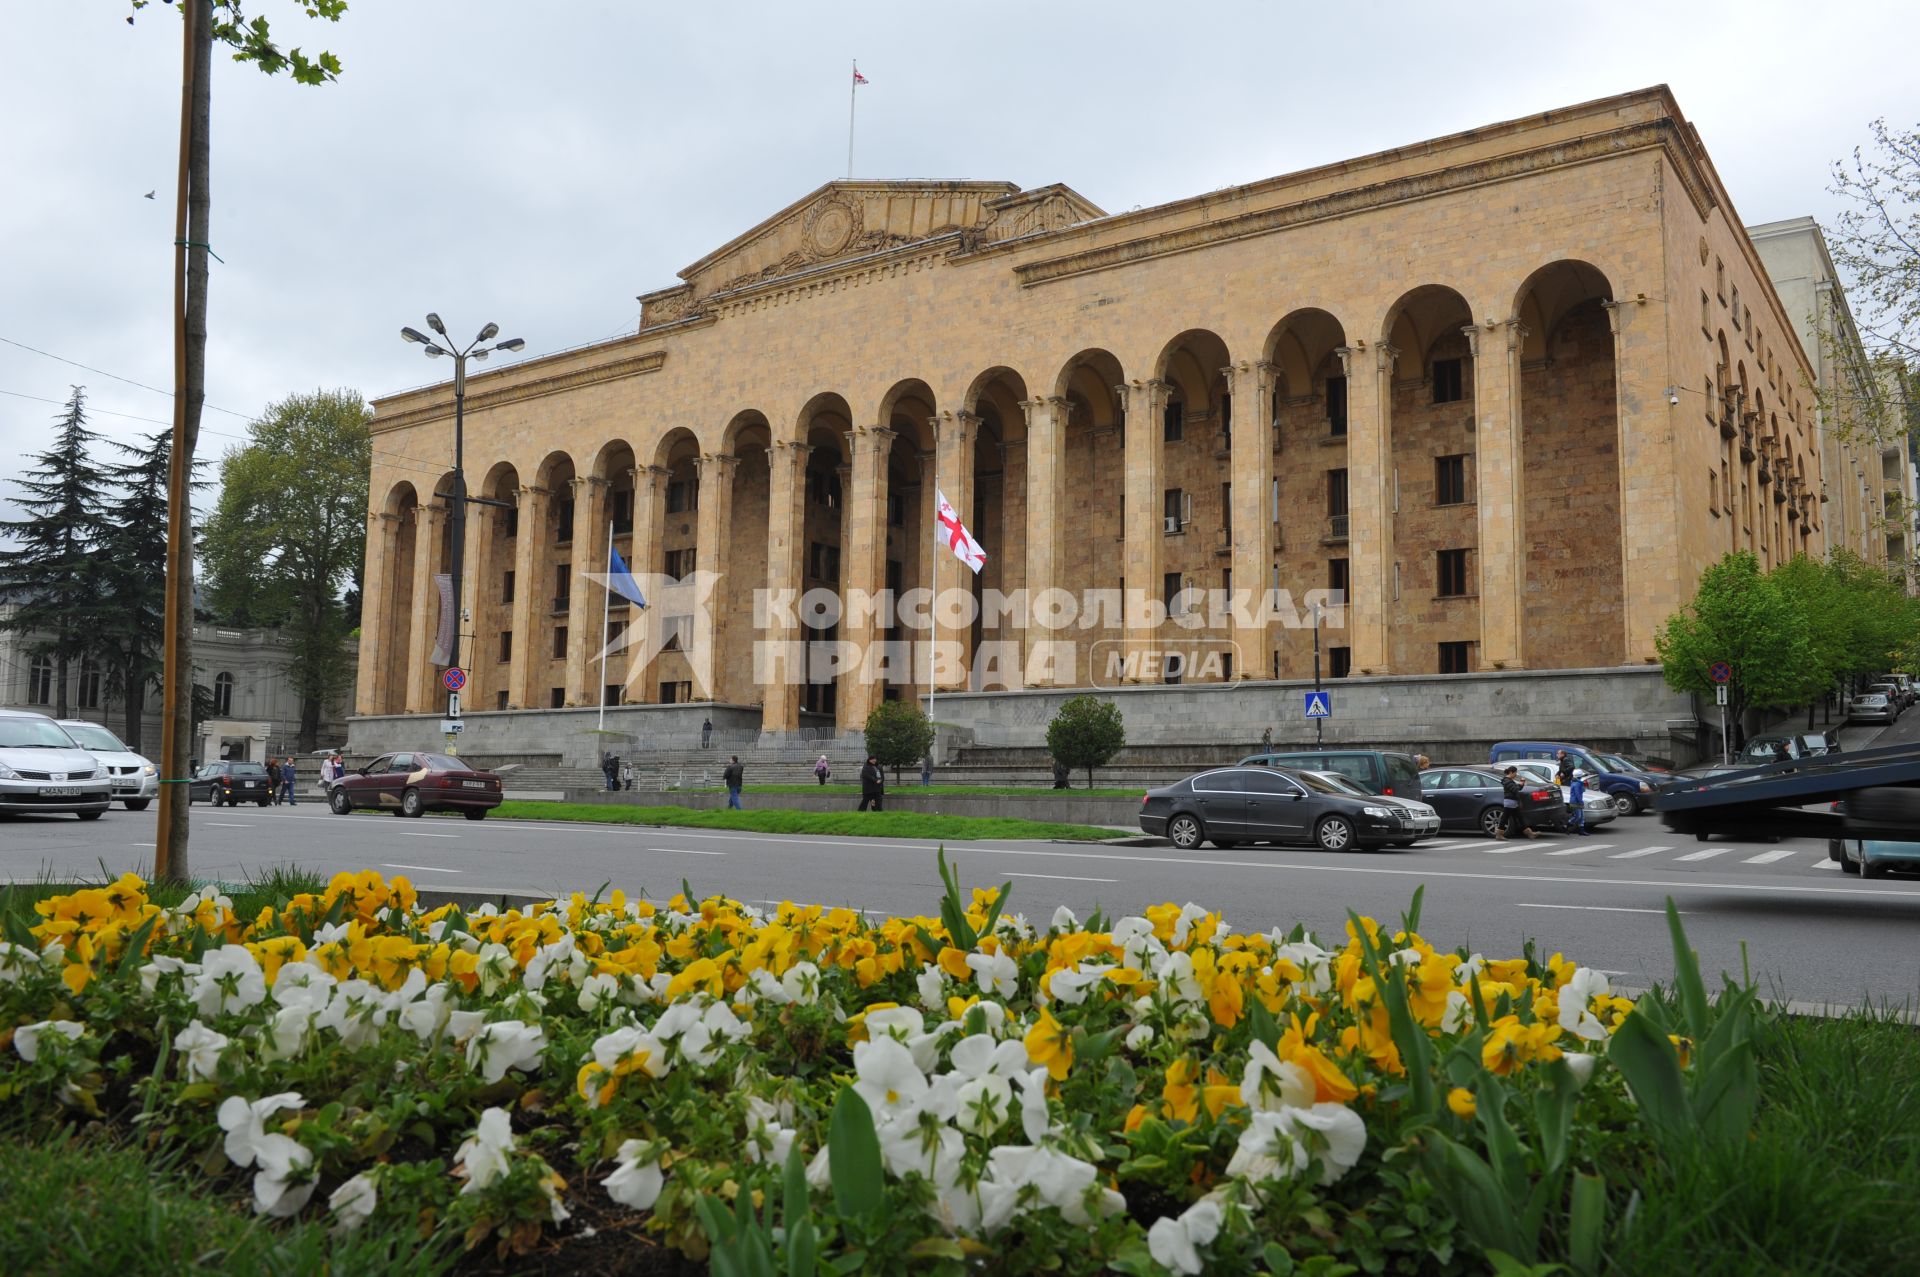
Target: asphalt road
pixel 1806 931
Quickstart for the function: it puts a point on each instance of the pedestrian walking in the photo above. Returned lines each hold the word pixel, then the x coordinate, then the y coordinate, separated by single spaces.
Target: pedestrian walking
pixel 1061 775
pixel 733 777
pixel 610 768
pixel 821 770
pixel 873 784
pixel 1577 796
pixel 1422 761
pixel 273 781
pixel 626 775
pixel 706 733
pixel 1563 769
pixel 1266 738
pixel 289 780
pixel 926 770
pixel 1510 791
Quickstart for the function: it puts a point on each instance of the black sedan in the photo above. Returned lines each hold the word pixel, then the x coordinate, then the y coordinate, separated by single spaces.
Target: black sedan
pixel 415 783
pixel 1232 805
pixel 1469 798
pixel 230 783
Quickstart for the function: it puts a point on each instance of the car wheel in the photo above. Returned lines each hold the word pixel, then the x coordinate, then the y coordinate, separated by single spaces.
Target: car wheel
pixel 1184 832
pixel 480 813
pixel 411 804
pixel 261 803
pixel 1849 865
pixel 1334 833
pixel 1703 837
pixel 1491 819
pixel 1626 804
pixel 340 804
pixel 89 815
pixel 137 804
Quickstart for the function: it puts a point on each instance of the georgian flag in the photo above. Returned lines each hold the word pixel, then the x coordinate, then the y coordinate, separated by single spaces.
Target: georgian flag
pixel 857 77
pixel 950 532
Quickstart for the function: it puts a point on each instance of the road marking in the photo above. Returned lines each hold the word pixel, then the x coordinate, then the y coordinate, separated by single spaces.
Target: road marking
pixel 1708 854
pixel 1598 909
pixel 409 834
pixel 424 869
pixel 1643 851
pixel 1581 850
pixel 228 824
pixel 686 851
pixel 143 844
pixel 1768 857
pixel 1827 863
pixel 1062 878
pixel 1502 851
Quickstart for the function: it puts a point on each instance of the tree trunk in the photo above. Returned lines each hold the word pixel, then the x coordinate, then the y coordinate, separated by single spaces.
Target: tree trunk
pixel 309 724
pixel 134 679
pixel 60 683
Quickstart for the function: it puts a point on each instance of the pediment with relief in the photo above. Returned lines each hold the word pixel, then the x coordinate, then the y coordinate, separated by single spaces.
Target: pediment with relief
pixel 846 220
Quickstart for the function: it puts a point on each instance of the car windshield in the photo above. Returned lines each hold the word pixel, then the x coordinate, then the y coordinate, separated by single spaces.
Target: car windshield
pixel 246 769
pixel 1874 699
pixel 94 736
pixel 1616 763
pixel 1340 783
pixel 33 733
pixel 444 763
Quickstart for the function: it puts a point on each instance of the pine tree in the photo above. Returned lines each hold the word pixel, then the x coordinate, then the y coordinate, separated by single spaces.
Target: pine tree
pixel 134 565
pixel 53 570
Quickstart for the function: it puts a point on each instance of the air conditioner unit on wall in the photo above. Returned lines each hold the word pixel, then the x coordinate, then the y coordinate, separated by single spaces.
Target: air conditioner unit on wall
pixel 1173 523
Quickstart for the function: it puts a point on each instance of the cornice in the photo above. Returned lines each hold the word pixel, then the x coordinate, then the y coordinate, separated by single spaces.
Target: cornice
pixel 517 392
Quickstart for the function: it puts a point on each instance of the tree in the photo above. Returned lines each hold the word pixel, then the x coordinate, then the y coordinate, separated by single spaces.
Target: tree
pixel 133 562
pixel 55 572
pixel 1743 617
pixel 1087 732
pixel 288 533
pixel 1876 238
pixel 1826 607
pixel 207 21
pixel 898 734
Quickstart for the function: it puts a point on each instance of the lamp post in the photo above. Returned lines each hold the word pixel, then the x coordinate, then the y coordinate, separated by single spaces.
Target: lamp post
pixel 1319 724
pixel 457 499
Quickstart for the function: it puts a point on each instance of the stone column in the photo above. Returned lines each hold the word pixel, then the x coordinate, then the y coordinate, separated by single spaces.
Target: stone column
pixel 478 646
pixel 713 552
pixel 1651 570
pixel 1143 403
pixel 418 697
pixel 1499 493
pixel 376 610
pixel 865 551
pixel 649 513
pixel 584 597
pixel 1369 503
pixel 955 435
pixel 1250 382
pixel 780 675
pixel 528 604
pixel 1046 504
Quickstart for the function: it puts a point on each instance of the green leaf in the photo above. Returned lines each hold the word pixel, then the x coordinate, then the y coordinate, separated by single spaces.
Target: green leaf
pixel 1648 1062
pixel 18 932
pixel 853 1156
pixel 1586 1223
pixel 1686 978
pixel 1553 1106
pixel 1264 1027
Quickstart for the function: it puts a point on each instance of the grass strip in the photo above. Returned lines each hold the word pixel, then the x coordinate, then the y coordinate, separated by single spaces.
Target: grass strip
pixel 911 789
pixel 867 824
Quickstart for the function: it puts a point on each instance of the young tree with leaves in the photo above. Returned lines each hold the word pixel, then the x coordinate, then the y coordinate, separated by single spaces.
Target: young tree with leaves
pixel 1743 617
pixel 898 735
pixel 1086 733
pixel 54 573
pixel 1876 238
pixel 288 533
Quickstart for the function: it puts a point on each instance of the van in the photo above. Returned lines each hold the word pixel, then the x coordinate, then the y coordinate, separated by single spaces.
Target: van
pixel 1631 792
pixel 1375 770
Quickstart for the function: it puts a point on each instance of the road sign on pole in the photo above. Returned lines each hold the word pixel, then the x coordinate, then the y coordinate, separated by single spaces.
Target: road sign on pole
pixel 1319 704
pixel 453 704
pixel 1720 694
pixel 454 679
pixel 1720 672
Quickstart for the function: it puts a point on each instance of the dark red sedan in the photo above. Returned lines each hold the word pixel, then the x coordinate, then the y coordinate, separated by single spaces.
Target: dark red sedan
pixel 413 784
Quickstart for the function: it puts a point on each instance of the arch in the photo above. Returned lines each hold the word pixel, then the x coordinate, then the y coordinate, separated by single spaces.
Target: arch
pixel 500 482
pixel 1191 363
pixel 401 497
pixel 1299 346
pixel 1087 370
pixel 748 439
pixel 1549 293
pixel 998 381
pixel 907 410
pixel 614 457
pixel 998 497
pixel 823 423
pixel 1307 409
pixel 748 427
pixel 1421 319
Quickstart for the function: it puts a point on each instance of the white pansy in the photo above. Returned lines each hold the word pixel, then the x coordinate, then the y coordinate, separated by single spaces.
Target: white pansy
pixel 494 968
pixel 677 1019
pixel 902 1023
pixel 635 1183
pixel 354 1201
pixel 1272 1083
pixel 1064 920
pixel 932 986
pixel 801 983
pixel 1190 913
pixel 18 961
pixel 996 974
pixel 1175 1243
pixel 1581 1066
pixel 300 984
pixel 1458 1013
pixel 610 1049
pixel 1468 967
pixel 230 980
pixel 357 1012
pixel 426 1018
pixel 707 1037
pixel 768 1139
pixel 161 966
pixel 245 1122
pixel 484 1154
pixel 462 1025
pixel 1175 972
pixel 285 1181
pixel 595 989
pixel 199 1049
pixel 1585 985
pixel 1056 1179
pixel 331 933
pixel 933 1153
pixel 889 1081
pixel 981 1104
pixel 286 1034
pixel 1139 1037
pixel 1069 985
pixel 1035 1119
pixel 506 1044
pixel 1338 1137
pixel 26 1038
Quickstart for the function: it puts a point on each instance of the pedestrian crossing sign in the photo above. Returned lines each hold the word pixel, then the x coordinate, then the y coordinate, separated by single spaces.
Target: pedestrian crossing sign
pixel 1319 705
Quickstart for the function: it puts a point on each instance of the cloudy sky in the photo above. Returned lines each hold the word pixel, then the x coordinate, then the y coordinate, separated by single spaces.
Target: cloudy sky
pixel 539 164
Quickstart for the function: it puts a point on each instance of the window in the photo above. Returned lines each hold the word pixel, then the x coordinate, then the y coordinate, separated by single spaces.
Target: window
pixel 506 647
pixel 1451 574
pixel 1226 508
pixel 1170 588
pixel 500 700
pixel 1447 381
pixel 563 521
pixel 1226 417
pixel 896 510
pixel 676 693
pixel 222 694
pixel 1337 579
pixel 506 586
pixel 823 488
pixel 823 562
pixel 1454 657
pixel 89 690
pixel 623 510
pixel 1713 493
pixel 559 641
pixel 1173 421
pixel 680 563
pixel 512 521
pixel 1450 480
pixel 1226 666
pixel 40 681
pixel 1337 492
pixel 1339 662
pixel 1736 307
pixel 1336 405
pixel 610 694
pixel 680 496
pixel 674 631
pixel 1173 504
pixel 1720 280
pixel 557 698
pixel 562 586
pixel 1706 313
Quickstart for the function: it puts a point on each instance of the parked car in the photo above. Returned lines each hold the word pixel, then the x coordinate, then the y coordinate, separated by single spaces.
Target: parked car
pixel 1902 685
pixel 1634 765
pixel 1470 798
pixel 1872 707
pixel 1894 695
pixel 415 783
pixel 1376 771
pixel 1765 748
pixel 1631 791
pixel 1597 806
pixel 43 770
pixel 1426 819
pixel 1231 805
pixel 230 783
pixel 135 780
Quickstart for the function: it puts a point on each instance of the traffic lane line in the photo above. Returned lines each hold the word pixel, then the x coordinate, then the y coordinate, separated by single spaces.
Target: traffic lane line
pixel 687 851
pixel 421 868
pixel 1061 877
pixel 1594 908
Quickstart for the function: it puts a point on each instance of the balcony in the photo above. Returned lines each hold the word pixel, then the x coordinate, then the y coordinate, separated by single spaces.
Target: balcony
pixel 562 604
pixel 1336 533
pixel 1766 475
pixel 1779 496
pixel 1728 430
pixel 1746 443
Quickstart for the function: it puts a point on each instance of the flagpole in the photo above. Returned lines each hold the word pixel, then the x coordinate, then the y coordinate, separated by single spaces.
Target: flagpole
pixel 933 630
pixel 853 84
pixel 606 603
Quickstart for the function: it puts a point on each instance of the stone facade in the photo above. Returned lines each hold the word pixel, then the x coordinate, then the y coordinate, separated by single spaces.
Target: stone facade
pixel 1456 381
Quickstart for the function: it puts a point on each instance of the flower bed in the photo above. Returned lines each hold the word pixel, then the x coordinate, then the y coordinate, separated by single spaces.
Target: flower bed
pixel 969 1091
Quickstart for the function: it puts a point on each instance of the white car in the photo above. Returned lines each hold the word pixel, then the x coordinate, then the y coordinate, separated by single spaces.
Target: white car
pixel 41 769
pixel 1599 807
pixel 136 781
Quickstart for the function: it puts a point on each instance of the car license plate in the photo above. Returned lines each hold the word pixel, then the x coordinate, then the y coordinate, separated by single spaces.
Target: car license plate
pixel 473 784
pixel 59 791
pixel 126 784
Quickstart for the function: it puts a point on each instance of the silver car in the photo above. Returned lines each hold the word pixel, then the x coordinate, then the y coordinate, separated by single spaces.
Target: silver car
pixel 1872 707
pixel 1598 807
pixel 135 780
pixel 41 769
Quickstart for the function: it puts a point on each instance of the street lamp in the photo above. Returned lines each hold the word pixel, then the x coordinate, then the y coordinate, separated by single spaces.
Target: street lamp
pixel 457 499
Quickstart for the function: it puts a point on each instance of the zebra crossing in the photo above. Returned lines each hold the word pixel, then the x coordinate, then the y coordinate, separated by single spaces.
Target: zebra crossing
pixel 1806 856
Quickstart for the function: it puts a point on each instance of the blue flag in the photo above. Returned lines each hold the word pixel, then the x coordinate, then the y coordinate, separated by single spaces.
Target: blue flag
pixel 621 581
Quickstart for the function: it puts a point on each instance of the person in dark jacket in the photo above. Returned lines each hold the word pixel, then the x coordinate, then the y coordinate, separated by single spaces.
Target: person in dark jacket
pixel 273 781
pixel 733 777
pixel 1511 791
pixel 1563 770
pixel 610 768
pixel 873 784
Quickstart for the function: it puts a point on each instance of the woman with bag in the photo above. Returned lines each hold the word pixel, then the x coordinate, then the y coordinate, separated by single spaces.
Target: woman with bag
pixel 1510 791
pixel 821 770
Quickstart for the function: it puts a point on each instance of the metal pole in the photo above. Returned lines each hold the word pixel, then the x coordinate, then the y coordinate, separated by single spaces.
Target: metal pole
pixel 853 83
pixel 933 614
pixel 1318 723
pixel 1724 760
pixel 459 510
pixel 606 602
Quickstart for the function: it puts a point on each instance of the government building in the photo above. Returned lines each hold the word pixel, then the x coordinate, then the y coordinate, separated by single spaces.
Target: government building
pixel 1492 401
